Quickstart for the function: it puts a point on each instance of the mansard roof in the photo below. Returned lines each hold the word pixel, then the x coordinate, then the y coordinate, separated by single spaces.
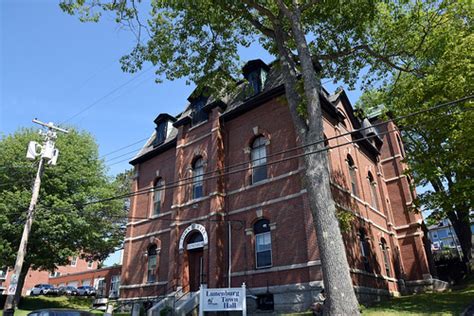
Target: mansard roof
pixel 239 102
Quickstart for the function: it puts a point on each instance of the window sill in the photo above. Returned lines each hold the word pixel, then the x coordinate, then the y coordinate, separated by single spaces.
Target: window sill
pixel 197 125
pixel 265 267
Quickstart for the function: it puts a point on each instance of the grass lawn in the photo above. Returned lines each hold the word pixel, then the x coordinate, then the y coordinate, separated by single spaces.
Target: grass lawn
pixel 29 304
pixel 448 303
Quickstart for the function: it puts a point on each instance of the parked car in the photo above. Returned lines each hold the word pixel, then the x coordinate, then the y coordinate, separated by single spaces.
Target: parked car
pixel 59 312
pixel 44 289
pixel 67 290
pixel 86 290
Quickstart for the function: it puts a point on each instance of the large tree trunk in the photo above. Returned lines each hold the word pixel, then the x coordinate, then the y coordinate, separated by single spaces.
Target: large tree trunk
pixel 341 299
pixel 462 228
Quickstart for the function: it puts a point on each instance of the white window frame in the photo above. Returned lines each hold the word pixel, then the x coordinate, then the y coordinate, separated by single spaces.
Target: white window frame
pixel 262 235
pixel 258 157
pixel 158 190
pixel 74 261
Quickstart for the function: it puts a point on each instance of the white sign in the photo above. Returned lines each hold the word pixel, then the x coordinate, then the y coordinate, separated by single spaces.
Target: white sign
pixel 11 289
pixel 191 228
pixel 223 299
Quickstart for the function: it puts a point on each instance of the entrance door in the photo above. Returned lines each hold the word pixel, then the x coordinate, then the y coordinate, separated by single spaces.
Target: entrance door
pixel 195 269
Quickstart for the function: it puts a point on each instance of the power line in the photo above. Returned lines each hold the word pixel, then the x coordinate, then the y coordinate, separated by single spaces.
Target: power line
pixel 146 138
pixel 185 181
pixel 106 95
pixel 451 103
pixel 189 180
pixel 180 183
pixel 125 147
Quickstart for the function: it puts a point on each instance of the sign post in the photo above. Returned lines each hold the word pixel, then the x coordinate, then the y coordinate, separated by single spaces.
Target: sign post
pixel 224 299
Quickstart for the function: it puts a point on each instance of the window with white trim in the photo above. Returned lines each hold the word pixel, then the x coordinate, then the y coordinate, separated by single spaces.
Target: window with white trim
pixel 258 155
pixel 386 257
pixel 373 190
pixel 198 171
pixel 114 286
pixel 152 263
pixel 352 175
pixel 74 261
pixel 364 249
pixel 158 190
pixel 263 244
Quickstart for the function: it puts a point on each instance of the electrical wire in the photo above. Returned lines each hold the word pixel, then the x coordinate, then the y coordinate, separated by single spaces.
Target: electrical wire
pixel 442 105
pixel 180 183
pixel 106 95
pixel 190 180
pixel 185 181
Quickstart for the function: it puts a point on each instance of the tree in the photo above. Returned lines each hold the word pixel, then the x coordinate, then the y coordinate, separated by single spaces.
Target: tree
pixel 63 225
pixel 437 145
pixel 200 40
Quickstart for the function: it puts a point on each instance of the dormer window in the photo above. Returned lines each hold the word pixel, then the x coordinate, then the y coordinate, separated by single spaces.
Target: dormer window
pixel 257 81
pixel 255 71
pixel 198 113
pixel 161 129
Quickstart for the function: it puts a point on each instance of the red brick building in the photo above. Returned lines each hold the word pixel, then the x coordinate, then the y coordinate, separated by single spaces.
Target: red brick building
pixel 219 202
pixel 36 277
pixel 105 280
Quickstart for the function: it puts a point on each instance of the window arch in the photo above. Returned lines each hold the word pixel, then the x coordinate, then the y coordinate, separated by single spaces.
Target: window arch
pixel 400 145
pixel 352 175
pixel 386 257
pixel 373 190
pixel 152 253
pixel 258 156
pixel 364 249
pixel 158 194
pixel 328 150
pixel 198 171
pixel 263 243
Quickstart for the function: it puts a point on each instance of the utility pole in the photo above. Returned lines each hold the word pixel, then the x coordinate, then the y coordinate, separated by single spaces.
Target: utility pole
pixel 48 155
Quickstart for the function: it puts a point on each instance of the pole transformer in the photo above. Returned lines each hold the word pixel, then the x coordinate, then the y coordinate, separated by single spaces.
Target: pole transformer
pixel 48 154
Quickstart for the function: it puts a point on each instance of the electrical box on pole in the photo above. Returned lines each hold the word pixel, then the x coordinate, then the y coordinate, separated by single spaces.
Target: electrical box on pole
pixel 49 155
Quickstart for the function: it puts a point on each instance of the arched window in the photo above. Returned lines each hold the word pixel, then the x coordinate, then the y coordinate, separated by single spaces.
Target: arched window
pixel 158 193
pixel 198 171
pixel 373 190
pixel 400 145
pixel 263 243
pixel 258 156
pixel 326 145
pixel 352 175
pixel 364 249
pixel 151 269
pixel 195 241
pixel 386 257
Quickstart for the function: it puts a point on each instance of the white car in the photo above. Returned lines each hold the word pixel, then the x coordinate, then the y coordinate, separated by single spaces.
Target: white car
pixel 43 289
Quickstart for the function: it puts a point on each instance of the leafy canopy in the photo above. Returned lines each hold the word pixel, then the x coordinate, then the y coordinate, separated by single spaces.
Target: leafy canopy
pixel 438 143
pixel 62 226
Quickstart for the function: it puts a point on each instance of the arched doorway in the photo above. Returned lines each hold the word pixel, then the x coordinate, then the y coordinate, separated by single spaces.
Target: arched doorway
pixel 195 258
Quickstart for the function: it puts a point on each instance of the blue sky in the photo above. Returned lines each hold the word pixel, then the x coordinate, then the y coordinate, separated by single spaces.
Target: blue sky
pixel 52 66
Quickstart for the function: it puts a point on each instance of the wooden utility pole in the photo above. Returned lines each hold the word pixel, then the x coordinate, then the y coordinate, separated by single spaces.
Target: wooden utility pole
pixel 48 155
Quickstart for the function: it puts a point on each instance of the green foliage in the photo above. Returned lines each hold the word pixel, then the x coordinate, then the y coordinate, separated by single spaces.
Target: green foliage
pixel 345 219
pixel 438 143
pixel 193 39
pixel 62 226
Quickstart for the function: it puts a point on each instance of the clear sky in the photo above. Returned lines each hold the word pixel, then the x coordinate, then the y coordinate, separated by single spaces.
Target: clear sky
pixel 53 66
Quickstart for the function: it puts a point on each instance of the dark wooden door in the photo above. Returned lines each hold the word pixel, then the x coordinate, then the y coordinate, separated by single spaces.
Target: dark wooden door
pixel 195 269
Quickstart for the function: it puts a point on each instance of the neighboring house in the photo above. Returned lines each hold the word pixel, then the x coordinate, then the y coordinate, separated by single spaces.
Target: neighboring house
pixel 443 236
pixel 36 277
pixel 178 232
pixel 106 280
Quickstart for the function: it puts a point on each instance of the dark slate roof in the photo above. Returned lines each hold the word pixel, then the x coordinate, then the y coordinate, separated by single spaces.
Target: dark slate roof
pixel 233 105
pixel 149 150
